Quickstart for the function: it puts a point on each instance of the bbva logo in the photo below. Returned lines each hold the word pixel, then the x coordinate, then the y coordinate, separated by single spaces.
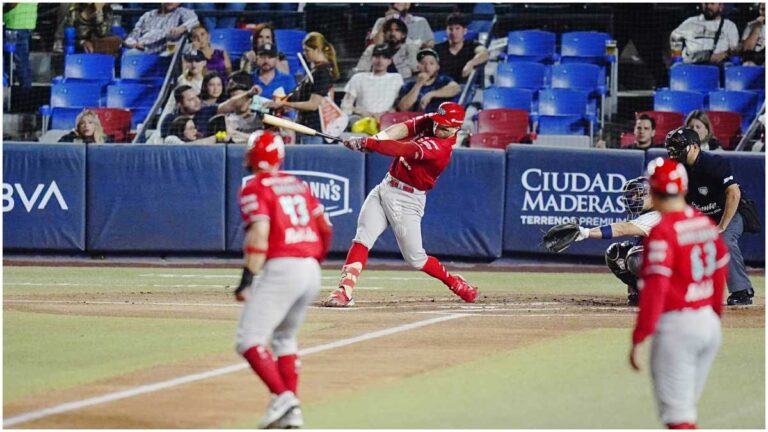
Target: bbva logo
pixel 332 190
pixel 29 201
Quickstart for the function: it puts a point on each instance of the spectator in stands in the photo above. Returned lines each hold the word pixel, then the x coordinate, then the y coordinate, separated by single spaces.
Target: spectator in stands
pixel 307 98
pixel 459 57
pixel 267 76
pixel 217 60
pixel 188 104
pixel 418 27
pixel 645 128
pixel 19 19
pixel 87 130
pixel 184 131
pixel 698 33
pixel 240 120
pixel 93 28
pixel 404 50
pixel 160 27
pixel 219 22
pixel 429 88
pixel 371 94
pixel 263 33
pixel 698 120
pixel 212 91
pixel 753 40
pixel 193 75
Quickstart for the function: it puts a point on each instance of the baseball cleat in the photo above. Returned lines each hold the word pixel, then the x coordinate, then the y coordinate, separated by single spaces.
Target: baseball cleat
pixel 279 406
pixel 293 419
pixel 339 298
pixel 463 289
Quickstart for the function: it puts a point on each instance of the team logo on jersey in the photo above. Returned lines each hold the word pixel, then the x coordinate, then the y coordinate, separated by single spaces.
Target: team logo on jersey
pixel 703 190
pixel 330 189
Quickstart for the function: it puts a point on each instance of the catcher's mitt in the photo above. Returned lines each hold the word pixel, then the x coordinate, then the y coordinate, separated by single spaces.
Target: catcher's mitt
pixel 560 237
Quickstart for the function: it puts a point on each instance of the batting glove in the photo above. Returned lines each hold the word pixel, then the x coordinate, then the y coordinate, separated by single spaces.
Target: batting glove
pixel 245 282
pixel 356 144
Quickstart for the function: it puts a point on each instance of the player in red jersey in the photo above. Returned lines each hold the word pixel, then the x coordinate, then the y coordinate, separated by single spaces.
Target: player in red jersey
pixel 685 263
pixel 287 235
pixel 422 149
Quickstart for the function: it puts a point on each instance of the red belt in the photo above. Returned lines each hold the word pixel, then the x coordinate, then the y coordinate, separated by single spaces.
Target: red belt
pixel 400 185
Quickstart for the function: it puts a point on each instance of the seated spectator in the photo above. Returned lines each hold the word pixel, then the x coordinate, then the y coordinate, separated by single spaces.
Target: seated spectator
pixel 188 104
pixel 217 60
pixel 159 27
pixel 753 40
pixel 404 50
pixel 193 75
pixel 698 120
pixel 698 34
pixel 263 34
pixel 87 130
pixel 184 131
pixel 371 94
pixel 267 76
pixel 212 91
pixel 93 28
pixel 645 128
pixel 307 98
pixel 219 22
pixel 240 120
pixel 428 89
pixel 418 27
pixel 459 57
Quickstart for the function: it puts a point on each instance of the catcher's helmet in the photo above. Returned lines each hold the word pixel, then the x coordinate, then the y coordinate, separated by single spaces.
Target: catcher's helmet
pixel 265 150
pixel 635 192
pixel 678 142
pixel 667 177
pixel 449 114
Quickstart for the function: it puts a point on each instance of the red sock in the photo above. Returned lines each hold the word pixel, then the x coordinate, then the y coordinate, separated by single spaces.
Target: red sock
pixel 437 271
pixel 288 366
pixel 681 425
pixel 357 253
pixel 261 361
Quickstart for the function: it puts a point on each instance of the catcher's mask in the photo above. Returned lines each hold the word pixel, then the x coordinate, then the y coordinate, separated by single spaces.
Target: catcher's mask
pixel 635 193
pixel 679 141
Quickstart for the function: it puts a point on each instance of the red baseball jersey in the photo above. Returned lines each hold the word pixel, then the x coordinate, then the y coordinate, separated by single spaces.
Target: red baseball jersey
pixel 423 168
pixel 288 205
pixel 685 263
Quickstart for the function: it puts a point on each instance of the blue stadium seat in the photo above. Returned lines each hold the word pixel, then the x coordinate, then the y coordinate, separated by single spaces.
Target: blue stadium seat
pixel 235 41
pixel 745 78
pixel 745 103
pixel 677 101
pixel 289 41
pixel 531 45
pixel 144 67
pixel 513 98
pixel 64 117
pixel 527 75
pixel 581 76
pixel 294 65
pixel 93 67
pixel 701 78
pixel 75 94
pixel 480 26
pixel 564 112
pixel 126 95
pixel 583 47
pixel 442 36
pixel 563 125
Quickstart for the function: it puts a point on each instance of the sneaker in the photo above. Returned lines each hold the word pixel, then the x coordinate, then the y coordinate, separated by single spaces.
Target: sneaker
pixel 279 406
pixel 293 419
pixel 633 299
pixel 741 298
pixel 463 289
pixel 339 298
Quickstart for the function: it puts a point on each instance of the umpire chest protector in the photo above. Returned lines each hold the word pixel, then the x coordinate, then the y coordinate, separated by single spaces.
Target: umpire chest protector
pixel 708 179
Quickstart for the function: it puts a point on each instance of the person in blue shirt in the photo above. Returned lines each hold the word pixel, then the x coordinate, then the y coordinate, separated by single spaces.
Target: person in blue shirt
pixel 267 76
pixel 428 89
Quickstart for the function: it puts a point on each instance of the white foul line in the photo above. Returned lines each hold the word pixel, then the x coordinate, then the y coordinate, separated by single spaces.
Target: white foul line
pixel 150 388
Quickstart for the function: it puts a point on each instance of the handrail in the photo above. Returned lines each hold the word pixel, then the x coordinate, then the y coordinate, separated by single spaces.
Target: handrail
pixel 754 127
pixel 473 76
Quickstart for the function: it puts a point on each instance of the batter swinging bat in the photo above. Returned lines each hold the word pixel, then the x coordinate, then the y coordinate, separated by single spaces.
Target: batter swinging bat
pixel 287 124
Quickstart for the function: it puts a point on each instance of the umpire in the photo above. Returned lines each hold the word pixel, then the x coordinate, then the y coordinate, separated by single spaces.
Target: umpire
pixel 713 191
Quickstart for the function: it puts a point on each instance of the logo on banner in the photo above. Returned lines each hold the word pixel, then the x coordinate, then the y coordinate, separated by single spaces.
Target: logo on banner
pixel 330 189
pixel 38 198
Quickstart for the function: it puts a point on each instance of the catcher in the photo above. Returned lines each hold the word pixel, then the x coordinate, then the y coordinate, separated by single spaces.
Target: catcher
pixel 622 258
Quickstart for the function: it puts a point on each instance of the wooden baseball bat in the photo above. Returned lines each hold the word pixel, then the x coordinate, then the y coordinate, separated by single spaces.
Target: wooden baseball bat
pixel 287 124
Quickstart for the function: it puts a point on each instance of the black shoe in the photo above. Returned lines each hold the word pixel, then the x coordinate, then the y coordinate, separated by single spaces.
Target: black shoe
pixel 741 298
pixel 633 299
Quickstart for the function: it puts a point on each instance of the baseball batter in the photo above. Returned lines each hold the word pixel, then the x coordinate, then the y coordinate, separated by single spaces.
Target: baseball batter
pixel 422 149
pixel 287 235
pixel 685 263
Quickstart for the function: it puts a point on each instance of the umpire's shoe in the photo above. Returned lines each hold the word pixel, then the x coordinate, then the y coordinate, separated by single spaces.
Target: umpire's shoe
pixel 463 289
pixel 741 298
pixel 280 406
pixel 633 296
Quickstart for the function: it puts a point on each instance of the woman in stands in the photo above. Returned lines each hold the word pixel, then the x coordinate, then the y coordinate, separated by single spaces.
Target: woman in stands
pixel 184 131
pixel 217 60
pixel 87 130
pixel 212 91
pixel 263 33
pixel 698 120
pixel 308 96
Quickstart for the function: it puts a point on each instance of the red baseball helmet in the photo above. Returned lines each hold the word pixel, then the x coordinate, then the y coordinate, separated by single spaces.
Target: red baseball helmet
pixel 449 114
pixel 667 177
pixel 265 150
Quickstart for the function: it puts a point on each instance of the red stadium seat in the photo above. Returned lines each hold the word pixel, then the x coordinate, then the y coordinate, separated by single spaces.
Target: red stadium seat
pixel 388 119
pixel 627 139
pixel 665 122
pixel 510 122
pixel 490 140
pixel 726 126
pixel 115 122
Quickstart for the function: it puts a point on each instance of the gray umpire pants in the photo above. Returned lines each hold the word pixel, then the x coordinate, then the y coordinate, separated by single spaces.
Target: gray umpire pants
pixel 737 271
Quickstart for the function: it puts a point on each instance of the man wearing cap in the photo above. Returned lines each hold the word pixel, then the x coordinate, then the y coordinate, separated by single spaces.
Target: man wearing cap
pixel 404 50
pixel 370 94
pixel 428 89
pixel 267 76
pixel 459 57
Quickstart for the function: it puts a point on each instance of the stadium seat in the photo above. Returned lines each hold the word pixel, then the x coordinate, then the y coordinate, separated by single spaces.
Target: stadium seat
pixel 139 98
pixel 581 76
pixel 116 122
pixel 583 47
pixel 490 140
pixel 665 122
pixel 626 139
pixel 745 78
pixel 442 36
pixel 531 45
pixel 388 119
pixel 235 41
pixel 503 97
pixel 147 68
pixel 745 103
pixel 289 41
pixel 92 67
pixel 694 77
pixel 64 117
pixel 480 26
pixel 677 101
pixel 512 123
pixel 563 112
pixel 294 65
pixel 527 75
pixel 75 94
pixel 726 126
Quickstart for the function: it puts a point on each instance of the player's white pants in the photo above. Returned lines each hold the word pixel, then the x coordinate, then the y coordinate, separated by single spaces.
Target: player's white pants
pixel 276 303
pixel 683 349
pixel 389 205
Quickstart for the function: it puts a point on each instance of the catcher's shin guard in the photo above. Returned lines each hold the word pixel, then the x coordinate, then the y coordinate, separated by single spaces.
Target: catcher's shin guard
pixel 616 259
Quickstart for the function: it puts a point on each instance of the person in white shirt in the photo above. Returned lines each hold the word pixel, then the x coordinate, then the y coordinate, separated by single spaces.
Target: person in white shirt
pixel 698 34
pixel 753 40
pixel 404 50
pixel 419 30
pixel 371 94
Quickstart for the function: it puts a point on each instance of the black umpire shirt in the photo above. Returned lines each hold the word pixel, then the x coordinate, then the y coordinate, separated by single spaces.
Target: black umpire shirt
pixel 708 179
